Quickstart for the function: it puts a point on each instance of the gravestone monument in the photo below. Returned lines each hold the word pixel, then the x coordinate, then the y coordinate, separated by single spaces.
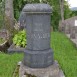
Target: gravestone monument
pixel 73 32
pixel 38 52
pixel 67 29
pixel 38 56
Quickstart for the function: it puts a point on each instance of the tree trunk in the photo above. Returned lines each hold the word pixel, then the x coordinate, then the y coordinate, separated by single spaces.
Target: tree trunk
pixel 9 17
pixel 9 11
pixel 62 13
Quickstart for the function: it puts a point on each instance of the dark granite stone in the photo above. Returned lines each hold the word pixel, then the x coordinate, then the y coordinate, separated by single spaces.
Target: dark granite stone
pixel 36 59
pixel 38 32
pixel 37 8
pixel 38 53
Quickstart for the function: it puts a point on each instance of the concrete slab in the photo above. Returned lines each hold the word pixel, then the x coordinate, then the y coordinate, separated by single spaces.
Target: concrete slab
pixel 51 71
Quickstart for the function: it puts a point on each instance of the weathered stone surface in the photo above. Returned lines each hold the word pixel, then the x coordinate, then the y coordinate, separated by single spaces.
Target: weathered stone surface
pixel 33 8
pixel 67 29
pixel 38 59
pixel 38 53
pixel 51 71
pixel 38 32
pixel 70 22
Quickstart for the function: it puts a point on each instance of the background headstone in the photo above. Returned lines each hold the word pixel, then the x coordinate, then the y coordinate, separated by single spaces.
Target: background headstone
pixel 73 33
pixel 69 23
pixel 67 29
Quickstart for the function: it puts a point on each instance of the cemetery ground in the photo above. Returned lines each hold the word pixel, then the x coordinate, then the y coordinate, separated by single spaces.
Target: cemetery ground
pixel 64 52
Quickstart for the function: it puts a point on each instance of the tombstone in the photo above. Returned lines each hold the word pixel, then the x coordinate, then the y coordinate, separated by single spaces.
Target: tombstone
pixel 67 29
pixel 38 56
pixel 38 53
pixel 72 33
pixel 73 30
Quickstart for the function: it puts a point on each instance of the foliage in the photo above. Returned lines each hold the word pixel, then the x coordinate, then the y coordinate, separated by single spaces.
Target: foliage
pixel 20 39
pixel 74 13
pixel 65 53
pixel 1 40
pixel 56 15
pixel 67 11
pixel 19 4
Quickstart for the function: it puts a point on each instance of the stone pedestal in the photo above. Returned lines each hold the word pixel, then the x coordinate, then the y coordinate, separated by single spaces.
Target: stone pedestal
pixel 51 71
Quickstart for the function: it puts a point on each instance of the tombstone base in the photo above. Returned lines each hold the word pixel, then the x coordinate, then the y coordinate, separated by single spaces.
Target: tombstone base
pixel 38 58
pixel 51 71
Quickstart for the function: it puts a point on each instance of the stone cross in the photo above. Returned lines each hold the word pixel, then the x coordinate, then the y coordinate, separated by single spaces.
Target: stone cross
pixel 38 53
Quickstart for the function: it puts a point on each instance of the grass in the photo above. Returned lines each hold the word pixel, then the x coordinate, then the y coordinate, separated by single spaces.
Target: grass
pixel 8 64
pixel 64 51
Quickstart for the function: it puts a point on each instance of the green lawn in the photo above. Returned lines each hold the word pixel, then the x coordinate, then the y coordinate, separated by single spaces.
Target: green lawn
pixel 8 64
pixel 64 51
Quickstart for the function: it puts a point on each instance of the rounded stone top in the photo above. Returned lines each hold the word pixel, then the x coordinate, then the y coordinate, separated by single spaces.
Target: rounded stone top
pixel 37 8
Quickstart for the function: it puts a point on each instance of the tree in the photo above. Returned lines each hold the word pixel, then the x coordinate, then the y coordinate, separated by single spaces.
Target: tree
pixel 19 4
pixel 62 9
pixel 67 11
pixel 62 14
pixel 9 17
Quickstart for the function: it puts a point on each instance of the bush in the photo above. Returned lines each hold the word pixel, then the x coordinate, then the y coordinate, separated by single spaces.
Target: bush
pixel 20 39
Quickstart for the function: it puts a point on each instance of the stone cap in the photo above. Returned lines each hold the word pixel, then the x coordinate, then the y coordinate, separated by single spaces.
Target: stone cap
pixel 37 8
